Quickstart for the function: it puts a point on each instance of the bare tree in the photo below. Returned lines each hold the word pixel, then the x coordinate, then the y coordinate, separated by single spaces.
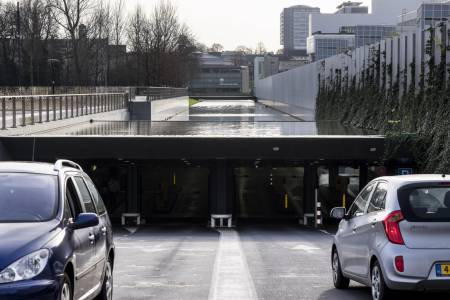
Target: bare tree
pixel 216 47
pixel 118 22
pixel 37 26
pixel 136 30
pixel 165 31
pixel 87 40
pixel 10 44
pixel 69 15
pixel 100 32
pixel 244 49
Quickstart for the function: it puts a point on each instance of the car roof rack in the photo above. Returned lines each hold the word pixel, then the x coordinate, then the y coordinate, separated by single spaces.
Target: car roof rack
pixel 66 163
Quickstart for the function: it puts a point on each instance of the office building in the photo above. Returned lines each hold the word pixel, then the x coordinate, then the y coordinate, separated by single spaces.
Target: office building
pixel 350 7
pixel 394 8
pixel 369 34
pixel 430 13
pixel 217 76
pixel 321 46
pixel 294 28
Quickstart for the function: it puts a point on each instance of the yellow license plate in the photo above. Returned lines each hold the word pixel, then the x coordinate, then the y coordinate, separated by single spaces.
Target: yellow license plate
pixel 443 270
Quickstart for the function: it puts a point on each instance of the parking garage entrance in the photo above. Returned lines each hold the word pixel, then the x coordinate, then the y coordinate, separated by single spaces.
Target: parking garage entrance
pixel 158 191
pixel 183 190
pixel 270 192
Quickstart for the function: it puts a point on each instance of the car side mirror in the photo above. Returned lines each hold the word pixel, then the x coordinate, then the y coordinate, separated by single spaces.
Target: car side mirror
pixel 85 221
pixel 338 213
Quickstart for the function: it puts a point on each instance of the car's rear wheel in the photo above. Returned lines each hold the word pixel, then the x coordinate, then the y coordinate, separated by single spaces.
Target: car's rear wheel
pixel 339 280
pixel 107 287
pixel 380 290
pixel 66 292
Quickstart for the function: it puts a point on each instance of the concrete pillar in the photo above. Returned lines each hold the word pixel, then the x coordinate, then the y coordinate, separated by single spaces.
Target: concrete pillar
pixel 132 193
pixel 310 185
pixel 221 188
pixel 363 175
pixel 4 154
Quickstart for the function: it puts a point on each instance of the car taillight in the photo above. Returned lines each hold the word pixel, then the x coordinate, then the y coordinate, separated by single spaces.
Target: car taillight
pixel 400 264
pixel 392 228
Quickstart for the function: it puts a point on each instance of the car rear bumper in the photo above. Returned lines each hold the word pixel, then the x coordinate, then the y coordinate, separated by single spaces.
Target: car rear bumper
pixel 404 284
pixel 420 268
pixel 29 290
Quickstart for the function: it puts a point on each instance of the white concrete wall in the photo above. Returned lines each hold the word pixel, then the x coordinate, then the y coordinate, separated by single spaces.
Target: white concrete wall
pixel 295 91
pixel 168 109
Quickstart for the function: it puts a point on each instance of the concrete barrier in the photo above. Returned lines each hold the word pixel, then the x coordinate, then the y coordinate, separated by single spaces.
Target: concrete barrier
pixel 293 92
pixel 159 110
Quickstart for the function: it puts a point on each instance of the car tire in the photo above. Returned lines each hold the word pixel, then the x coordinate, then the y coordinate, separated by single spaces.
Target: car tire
pixel 108 283
pixel 66 291
pixel 380 291
pixel 339 280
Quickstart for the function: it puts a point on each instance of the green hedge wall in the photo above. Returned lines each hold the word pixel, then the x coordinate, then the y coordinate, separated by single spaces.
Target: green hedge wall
pixel 418 121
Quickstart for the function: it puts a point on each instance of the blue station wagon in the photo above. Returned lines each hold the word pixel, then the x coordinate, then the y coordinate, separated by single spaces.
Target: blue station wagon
pixel 56 238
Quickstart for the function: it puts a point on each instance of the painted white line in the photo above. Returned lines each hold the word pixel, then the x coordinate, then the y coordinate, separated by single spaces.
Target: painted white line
pixel 231 277
pixel 306 248
pixel 131 230
pixel 325 232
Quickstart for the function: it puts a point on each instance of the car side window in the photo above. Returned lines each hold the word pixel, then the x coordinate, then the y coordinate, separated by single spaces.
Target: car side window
pixel 72 198
pixel 101 208
pixel 359 206
pixel 67 210
pixel 85 195
pixel 378 201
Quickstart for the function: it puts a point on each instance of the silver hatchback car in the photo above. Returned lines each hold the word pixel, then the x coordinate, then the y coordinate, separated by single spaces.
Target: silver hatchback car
pixel 395 236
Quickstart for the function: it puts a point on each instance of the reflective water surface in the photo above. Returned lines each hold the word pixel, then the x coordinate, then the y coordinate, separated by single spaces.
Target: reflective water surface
pixel 215 118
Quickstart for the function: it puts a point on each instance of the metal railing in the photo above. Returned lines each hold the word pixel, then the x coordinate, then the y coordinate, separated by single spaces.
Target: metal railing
pixel 156 93
pixel 29 110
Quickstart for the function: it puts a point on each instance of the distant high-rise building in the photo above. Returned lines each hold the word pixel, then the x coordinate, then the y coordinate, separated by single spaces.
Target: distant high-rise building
pixel 394 7
pixel 351 7
pixel 294 29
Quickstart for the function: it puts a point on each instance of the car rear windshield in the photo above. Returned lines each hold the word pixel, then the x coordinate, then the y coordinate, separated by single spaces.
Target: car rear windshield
pixel 27 197
pixel 426 203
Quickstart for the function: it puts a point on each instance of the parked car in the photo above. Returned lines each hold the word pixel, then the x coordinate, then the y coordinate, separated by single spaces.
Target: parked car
pixel 55 234
pixel 395 236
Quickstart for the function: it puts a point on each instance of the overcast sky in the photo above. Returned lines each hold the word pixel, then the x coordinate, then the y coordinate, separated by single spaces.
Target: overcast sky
pixel 236 22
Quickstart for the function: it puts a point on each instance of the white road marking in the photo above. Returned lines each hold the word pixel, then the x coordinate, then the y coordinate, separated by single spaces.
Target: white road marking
pixel 306 248
pixel 231 277
pixel 131 230
pixel 326 232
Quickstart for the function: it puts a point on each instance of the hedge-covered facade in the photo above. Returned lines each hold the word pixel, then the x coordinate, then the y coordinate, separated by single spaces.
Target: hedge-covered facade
pixel 413 113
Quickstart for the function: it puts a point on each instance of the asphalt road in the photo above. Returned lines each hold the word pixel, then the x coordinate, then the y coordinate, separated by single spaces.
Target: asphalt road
pixel 252 262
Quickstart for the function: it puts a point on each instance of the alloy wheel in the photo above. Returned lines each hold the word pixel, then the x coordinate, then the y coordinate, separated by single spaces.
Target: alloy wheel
pixel 376 283
pixel 109 281
pixel 65 292
pixel 335 267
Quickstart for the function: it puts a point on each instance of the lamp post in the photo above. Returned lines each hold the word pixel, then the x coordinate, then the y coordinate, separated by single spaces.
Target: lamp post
pixel 52 62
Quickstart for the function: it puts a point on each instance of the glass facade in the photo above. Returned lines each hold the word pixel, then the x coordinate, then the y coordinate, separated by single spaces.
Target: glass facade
pixel 324 46
pixel 301 29
pixel 217 79
pixel 369 34
pixel 430 13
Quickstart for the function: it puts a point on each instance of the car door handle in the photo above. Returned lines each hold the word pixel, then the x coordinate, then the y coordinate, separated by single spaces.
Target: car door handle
pixel 104 230
pixel 92 238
